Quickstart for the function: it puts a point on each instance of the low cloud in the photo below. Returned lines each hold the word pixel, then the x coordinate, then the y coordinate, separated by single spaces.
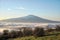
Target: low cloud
pixel 20 8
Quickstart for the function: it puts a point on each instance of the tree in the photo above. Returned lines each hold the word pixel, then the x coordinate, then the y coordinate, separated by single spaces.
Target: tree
pixel 39 32
pixel 13 34
pixel 27 31
pixel 5 34
pixel 19 33
pixel 57 28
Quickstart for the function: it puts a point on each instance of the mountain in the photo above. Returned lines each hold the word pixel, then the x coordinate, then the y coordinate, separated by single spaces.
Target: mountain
pixel 31 18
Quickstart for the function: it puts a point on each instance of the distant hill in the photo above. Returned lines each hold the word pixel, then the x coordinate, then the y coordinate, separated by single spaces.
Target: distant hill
pixel 31 18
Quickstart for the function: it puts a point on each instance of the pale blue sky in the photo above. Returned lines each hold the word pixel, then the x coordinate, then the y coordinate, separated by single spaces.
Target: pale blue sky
pixel 49 9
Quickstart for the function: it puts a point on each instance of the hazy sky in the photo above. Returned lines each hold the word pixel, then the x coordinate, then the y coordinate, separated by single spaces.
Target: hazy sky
pixel 49 9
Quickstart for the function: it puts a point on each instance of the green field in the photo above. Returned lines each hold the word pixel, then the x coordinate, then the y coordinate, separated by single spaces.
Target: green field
pixel 54 37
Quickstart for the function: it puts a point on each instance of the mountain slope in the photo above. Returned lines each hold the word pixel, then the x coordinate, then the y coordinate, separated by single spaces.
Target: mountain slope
pixel 30 18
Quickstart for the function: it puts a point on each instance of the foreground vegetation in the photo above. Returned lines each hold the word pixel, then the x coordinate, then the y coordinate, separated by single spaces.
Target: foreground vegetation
pixel 28 34
pixel 39 38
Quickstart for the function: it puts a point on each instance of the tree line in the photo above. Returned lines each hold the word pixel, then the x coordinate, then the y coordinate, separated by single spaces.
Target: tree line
pixel 26 31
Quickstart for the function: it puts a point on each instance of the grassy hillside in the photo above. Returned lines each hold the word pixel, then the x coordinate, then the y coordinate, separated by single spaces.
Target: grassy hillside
pixel 53 37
